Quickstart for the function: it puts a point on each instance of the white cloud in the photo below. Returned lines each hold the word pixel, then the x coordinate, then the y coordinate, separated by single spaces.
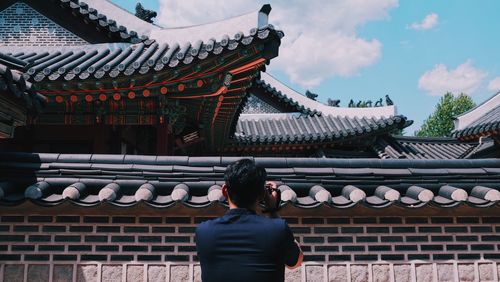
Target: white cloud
pixel 494 84
pixel 465 78
pixel 430 21
pixel 320 36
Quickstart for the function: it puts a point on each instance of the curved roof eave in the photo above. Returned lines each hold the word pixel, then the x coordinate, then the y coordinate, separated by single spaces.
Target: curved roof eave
pixel 375 112
pixel 464 120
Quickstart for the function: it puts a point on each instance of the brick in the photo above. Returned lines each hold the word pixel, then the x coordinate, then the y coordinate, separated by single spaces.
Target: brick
pixel 491 220
pixel 54 228
pixel 127 239
pixel 441 219
pixel 39 218
pixel 467 220
pixel 134 248
pixel 96 238
pixel 429 229
pixel 13 273
pixel 109 273
pixel 403 229
pixel 108 229
pixel 22 247
pixel 136 229
pixel 352 229
pixel 64 257
pixel 95 219
pixel 456 247
pixel 106 248
pixel 490 238
pixel 417 239
pixel 39 238
pixel 325 230
pixel 187 229
pixel 481 229
pixel 466 238
pixel 51 248
pixel 12 218
pixel 390 220
pixel 300 230
pixel 482 247
pixel 162 229
pixel 157 273
pixel 424 272
pixel 391 239
pixel 377 229
pixel 176 258
pixel 86 272
pixel 37 257
pixel 339 257
pixel 67 238
pixel 316 239
pixel 186 248
pixel 93 257
pixel 150 219
pixel 162 248
pixel 340 239
pixel 289 220
pixel 77 248
pixel 179 273
pixel 402 273
pixel 431 247
pixel 135 273
pixel 177 239
pixel 416 220
pixel 326 248
pixel 486 272
pixel 455 229
pixel 62 273
pixel 338 220
pixel 364 220
pixel 405 247
pixel 149 239
pixel 10 257
pixel 123 219
pixel 495 256
pixel 68 219
pixel 466 272
pixel 445 272
pixel 443 256
pixel 353 248
pixel 314 273
pixel 121 257
pixel 178 220
pixel 81 228
pixel 469 256
pixel 314 258
pixel 379 248
pixel 4 228
pixel 392 257
pixel 365 257
pixel 3 248
pixel 11 238
pixel 313 220
pixel 442 238
pixel 418 256
pixel 365 239
pixel 25 228
pixel 38 273
pixel 336 273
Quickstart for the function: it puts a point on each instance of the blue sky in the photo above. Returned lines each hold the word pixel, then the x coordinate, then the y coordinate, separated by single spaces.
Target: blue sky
pixel 351 49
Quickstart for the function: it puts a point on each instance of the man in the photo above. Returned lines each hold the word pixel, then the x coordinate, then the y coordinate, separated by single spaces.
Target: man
pixel 241 245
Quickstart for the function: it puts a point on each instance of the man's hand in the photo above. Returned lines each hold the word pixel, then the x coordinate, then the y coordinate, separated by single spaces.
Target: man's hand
pixel 272 197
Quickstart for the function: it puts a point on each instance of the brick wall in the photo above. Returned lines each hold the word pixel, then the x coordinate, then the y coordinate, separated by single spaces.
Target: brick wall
pixel 21 25
pixel 369 247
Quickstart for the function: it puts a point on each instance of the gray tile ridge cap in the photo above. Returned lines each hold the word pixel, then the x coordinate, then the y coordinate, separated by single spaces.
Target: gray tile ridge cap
pixel 464 120
pixel 63 49
pixel 6 157
pixel 377 112
pixel 214 30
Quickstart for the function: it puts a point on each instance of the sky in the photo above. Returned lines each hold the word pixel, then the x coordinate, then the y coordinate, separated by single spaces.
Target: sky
pixel 413 51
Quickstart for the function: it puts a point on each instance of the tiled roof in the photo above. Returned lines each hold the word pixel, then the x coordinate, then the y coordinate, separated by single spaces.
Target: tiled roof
pixel 296 128
pixel 403 147
pixel 127 180
pixel 12 80
pixel 100 60
pixel 484 119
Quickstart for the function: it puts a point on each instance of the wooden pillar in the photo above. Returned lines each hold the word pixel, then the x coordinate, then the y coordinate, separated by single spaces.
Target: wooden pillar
pixel 163 140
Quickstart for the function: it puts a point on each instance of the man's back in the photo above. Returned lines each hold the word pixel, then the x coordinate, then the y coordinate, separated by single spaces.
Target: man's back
pixel 243 246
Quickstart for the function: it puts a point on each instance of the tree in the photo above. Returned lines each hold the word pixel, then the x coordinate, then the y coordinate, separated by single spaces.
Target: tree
pixel 440 123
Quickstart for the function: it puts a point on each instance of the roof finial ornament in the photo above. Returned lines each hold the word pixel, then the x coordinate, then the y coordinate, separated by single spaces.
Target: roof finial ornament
pixel 333 103
pixel 351 104
pixel 144 14
pixel 388 101
pixel 311 95
pixel 379 103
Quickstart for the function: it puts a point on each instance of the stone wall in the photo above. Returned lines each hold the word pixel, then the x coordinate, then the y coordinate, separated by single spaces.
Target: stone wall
pixel 117 248
pixel 21 25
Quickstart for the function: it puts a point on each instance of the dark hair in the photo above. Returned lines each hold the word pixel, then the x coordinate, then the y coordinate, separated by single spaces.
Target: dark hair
pixel 245 182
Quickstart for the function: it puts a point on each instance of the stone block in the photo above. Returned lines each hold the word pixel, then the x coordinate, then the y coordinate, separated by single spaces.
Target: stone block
pixel 402 272
pixel 337 273
pixel 111 273
pixel 14 273
pixel 197 273
pixel 424 272
pixel 157 273
pixel 38 273
pixel 293 275
pixel 314 273
pixel 445 272
pixel 486 272
pixel 62 273
pixel 466 272
pixel 135 273
pixel 179 273
pixel 86 273
pixel 381 272
pixel 359 273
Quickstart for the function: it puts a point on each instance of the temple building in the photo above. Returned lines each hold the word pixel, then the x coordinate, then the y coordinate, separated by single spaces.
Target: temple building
pixel 115 134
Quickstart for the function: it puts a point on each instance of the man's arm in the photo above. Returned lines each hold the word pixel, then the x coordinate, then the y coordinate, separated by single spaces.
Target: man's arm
pixel 300 258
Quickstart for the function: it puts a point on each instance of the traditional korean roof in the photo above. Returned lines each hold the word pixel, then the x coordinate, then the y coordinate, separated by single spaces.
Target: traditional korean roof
pixel 405 147
pixel 482 120
pixel 302 129
pixel 327 185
